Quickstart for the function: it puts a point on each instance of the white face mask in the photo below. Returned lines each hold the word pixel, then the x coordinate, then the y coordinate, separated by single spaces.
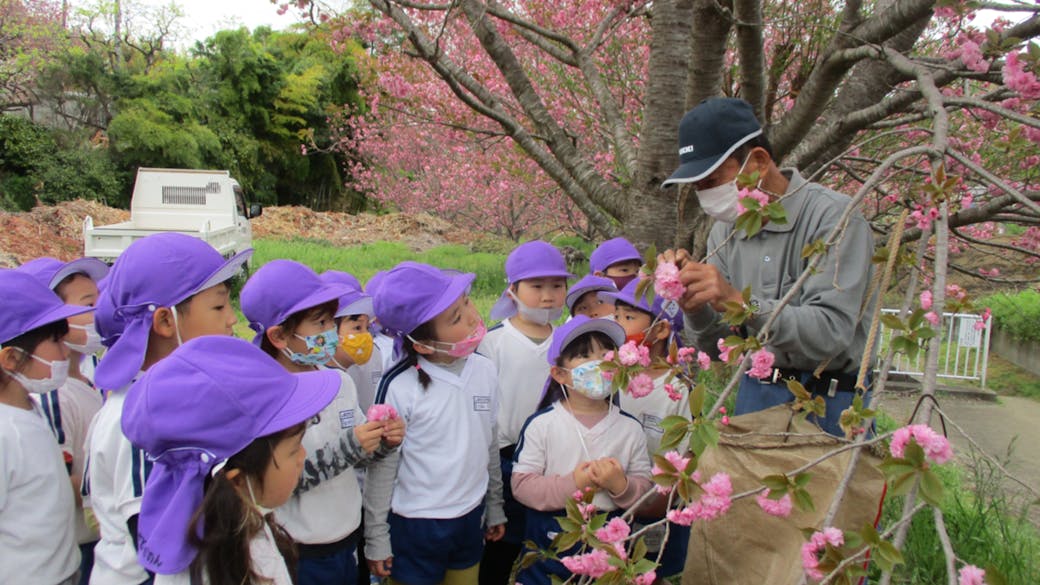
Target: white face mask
pixel 534 315
pixel 91 345
pixel 721 202
pixel 59 375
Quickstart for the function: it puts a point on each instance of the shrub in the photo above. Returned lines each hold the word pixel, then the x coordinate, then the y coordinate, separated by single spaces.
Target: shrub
pixel 1017 314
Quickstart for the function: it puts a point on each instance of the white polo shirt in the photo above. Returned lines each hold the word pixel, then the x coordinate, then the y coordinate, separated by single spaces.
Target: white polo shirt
pixel 37 536
pixel 114 478
pixel 68 412
pixel 522 372
pixel 651 409
pixel 554 442
pixel 327 504
pixel 366 378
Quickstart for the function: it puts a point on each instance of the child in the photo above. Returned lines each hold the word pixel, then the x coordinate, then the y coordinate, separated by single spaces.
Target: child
pixel 616 259
pixel 295 326
pixel 651 326
pixel 383 342
pixel 582 298
pixel 163 290
pixel 537 275
pixel 70 408
pixel 578 440
pixel 356 354
pixel 231 453
pixel 37 507
pixel 444 485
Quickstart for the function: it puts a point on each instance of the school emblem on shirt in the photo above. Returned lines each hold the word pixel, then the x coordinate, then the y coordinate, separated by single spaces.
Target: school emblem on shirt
pixel 346 419
pixel 481 404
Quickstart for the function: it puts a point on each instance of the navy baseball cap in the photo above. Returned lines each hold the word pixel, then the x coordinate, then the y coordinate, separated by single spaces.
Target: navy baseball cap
pixel 708 135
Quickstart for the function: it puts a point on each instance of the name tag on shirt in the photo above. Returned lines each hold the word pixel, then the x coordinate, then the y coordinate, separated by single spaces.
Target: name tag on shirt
pixel 346 419
pixel 376 377
pixel 481 404
pixel 652 423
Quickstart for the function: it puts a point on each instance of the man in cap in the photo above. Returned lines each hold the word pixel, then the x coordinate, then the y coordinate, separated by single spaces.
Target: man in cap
pixel 824 326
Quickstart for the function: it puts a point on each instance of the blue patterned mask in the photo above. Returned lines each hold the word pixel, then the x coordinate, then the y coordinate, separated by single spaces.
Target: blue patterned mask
pixel 588 379
pixel 321 347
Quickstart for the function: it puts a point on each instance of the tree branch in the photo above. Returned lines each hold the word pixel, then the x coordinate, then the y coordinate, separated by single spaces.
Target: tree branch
pixel 752 57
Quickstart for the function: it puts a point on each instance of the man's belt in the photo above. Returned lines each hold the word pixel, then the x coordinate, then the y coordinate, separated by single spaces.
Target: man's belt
pixel 828 384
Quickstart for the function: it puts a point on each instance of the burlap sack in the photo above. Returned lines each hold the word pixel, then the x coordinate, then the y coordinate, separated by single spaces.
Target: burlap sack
pixel 746 546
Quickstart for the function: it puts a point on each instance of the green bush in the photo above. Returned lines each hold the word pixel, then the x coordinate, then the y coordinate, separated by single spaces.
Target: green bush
pixel 1017 314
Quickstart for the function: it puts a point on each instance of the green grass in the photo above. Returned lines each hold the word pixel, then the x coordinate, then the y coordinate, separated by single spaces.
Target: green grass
pixel 365 260
pixel 1004 377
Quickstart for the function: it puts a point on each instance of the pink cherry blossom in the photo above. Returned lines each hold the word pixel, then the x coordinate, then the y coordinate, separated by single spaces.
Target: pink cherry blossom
pixel 628 354
pixel 666 282
pixel 818 543
pixel 754 194
pixel 703 360
pixel 673 394
pixel 983 319
pixel 971 575
pixel 926 300
pixel 381 412
pixel 724 350
pixel 780 508
pixel 647 578
pixel 594 564
pixel 644 356
pixel 761 364
pixel 616 530
pixel 932 318
pixel 725 420
pixel 640 385
pixel 936 447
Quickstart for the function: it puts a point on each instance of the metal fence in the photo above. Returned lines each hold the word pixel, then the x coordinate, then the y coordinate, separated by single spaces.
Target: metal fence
pixel 964 355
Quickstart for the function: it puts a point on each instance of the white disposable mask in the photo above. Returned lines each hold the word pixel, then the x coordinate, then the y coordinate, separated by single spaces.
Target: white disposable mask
pixel 59 375
pixel 535 315
pixel 91 345
pixel 720 202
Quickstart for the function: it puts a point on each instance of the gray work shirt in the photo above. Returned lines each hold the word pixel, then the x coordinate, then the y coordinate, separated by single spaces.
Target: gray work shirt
pixel 822 321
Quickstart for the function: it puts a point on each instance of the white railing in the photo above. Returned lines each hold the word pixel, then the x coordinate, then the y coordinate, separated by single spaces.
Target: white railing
pixel 965 349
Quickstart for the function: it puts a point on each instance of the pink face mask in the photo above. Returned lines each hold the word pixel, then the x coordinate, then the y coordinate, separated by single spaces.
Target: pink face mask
pixel 459 349
pixel 621 281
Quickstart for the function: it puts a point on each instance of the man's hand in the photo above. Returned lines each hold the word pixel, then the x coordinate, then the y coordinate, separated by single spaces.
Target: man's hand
pixel 705 285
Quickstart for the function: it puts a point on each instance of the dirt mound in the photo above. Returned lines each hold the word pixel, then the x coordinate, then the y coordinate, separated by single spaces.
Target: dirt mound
pixel 58 231
pixel 419 231
pixel 51 231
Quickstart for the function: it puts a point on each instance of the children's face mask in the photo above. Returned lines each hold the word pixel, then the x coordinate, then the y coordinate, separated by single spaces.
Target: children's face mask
pixel 588 379
pixel 358 346
pixel 536 315
pixel 321 347
pixel 459 349
pixel 57 378
pixel 91 345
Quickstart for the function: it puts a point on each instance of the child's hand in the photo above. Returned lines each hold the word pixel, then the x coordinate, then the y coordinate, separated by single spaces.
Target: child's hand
pixel 381 568
pixel 393 432
pixel 581 475
pixel 608 474
pixel 495 533
pixel 368 435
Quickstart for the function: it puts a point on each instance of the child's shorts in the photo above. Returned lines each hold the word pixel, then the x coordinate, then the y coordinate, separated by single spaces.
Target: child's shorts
pixel 426 548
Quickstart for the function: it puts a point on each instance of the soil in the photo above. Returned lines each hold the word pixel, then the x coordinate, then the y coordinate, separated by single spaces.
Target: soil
pixel 58 231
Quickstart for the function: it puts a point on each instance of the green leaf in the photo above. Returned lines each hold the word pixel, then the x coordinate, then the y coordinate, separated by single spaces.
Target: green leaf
pixel 664 464
pixel 697 400
pixel 932 490
pixel 776 483
pixel 803 500
pixel 892 322
pixel 802 479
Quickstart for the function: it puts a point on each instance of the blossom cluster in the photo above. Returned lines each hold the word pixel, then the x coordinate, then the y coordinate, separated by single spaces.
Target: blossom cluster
pixel 713 503
pixel 666 282
pixel 936 447
pixel 381 412
pixel 780 508
pixel 818 543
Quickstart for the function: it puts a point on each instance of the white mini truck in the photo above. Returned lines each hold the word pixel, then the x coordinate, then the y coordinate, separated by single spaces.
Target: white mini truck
pixel 208 205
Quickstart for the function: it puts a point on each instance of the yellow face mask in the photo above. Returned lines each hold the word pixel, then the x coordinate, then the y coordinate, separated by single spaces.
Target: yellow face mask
pixel 358 346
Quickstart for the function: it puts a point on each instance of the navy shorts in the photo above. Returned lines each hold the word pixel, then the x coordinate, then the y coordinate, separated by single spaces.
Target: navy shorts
pixel 426 548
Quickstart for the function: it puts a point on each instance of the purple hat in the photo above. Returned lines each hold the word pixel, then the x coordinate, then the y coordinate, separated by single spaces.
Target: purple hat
pixel 373 284
pixel 579 325
pixel 28 305
pixel 660 308
pixel 51 271
pixel 355 301
pixel 611 252
pixel 204 403
pixel 160 270
pixel 535 259
pixel 281 288
pixel 586 285
pixel 413 293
